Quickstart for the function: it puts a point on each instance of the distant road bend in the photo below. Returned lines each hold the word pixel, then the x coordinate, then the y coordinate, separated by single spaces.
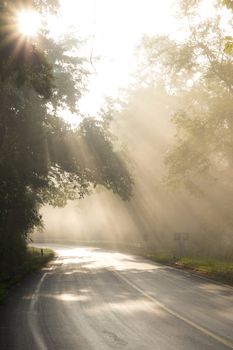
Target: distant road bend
pixel 93 299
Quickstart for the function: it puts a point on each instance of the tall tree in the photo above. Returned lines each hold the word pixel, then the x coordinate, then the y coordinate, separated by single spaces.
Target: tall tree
pixel 42 159
pixel 200 74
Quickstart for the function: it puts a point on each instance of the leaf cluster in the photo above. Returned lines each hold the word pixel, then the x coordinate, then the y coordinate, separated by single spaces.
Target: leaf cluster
pixel 200 74
pixel 42 159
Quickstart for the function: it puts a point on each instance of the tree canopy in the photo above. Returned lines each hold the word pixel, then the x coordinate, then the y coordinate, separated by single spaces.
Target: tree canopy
pixel 43 159
pixel 200 73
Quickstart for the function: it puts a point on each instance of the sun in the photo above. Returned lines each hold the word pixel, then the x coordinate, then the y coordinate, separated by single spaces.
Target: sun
pixel 29 23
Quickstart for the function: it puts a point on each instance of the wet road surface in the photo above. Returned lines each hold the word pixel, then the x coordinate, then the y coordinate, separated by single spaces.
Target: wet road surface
pixel 94 299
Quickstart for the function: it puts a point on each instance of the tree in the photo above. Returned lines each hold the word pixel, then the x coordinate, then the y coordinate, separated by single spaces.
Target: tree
pixel 42 159
pixel 200 74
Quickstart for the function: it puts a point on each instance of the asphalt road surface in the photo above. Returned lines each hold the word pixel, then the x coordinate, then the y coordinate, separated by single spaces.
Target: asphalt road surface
pixel 90 298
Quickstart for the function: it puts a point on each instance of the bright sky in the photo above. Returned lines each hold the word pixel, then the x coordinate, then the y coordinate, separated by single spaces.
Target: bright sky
pixel 114 28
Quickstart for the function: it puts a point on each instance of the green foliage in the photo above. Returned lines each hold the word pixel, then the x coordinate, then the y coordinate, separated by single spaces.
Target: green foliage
pixel 32 261
pixel 200 56
pixel 102 160
pixel 200 74
pixel 21 61
pixel 220 270
pixel 162 258
pixel 42 159
pixel 228 49
pixel 227 3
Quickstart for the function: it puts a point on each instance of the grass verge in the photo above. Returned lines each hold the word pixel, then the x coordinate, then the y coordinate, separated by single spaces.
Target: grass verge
pixel 219 270
pixel 34 260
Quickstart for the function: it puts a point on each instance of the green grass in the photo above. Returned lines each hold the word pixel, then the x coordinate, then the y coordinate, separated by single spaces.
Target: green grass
pixel 33 261
pixel 162 258
pixel 219 270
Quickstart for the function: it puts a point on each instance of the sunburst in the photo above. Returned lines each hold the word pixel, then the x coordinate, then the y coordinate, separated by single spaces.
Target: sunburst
pixel 28 23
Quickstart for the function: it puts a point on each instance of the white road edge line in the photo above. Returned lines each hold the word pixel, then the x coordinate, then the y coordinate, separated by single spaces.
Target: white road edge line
pixel 175 314
pixel 32 315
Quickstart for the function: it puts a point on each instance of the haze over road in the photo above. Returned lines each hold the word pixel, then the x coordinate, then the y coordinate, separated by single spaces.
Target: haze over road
pixel 90 298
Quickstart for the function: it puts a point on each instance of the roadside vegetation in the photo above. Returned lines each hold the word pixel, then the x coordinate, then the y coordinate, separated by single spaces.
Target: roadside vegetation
pixel 35 258
pixel 217 269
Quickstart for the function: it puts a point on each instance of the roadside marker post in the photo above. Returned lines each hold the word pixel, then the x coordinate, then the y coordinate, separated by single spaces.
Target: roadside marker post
pixel 181 237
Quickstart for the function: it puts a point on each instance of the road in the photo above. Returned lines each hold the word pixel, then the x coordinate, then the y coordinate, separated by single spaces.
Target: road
pixel 94 299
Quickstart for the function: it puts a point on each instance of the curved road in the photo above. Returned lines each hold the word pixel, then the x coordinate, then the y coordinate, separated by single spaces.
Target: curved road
pixel 93 299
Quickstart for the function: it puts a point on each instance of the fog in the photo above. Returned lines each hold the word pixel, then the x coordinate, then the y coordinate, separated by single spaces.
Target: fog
pixel 175 125
pixel 155 213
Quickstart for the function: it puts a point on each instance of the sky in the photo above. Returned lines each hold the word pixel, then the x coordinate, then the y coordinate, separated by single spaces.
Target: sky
pixel 113 29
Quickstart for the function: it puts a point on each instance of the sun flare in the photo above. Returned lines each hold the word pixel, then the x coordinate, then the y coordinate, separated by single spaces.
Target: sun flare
pixel 28 22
